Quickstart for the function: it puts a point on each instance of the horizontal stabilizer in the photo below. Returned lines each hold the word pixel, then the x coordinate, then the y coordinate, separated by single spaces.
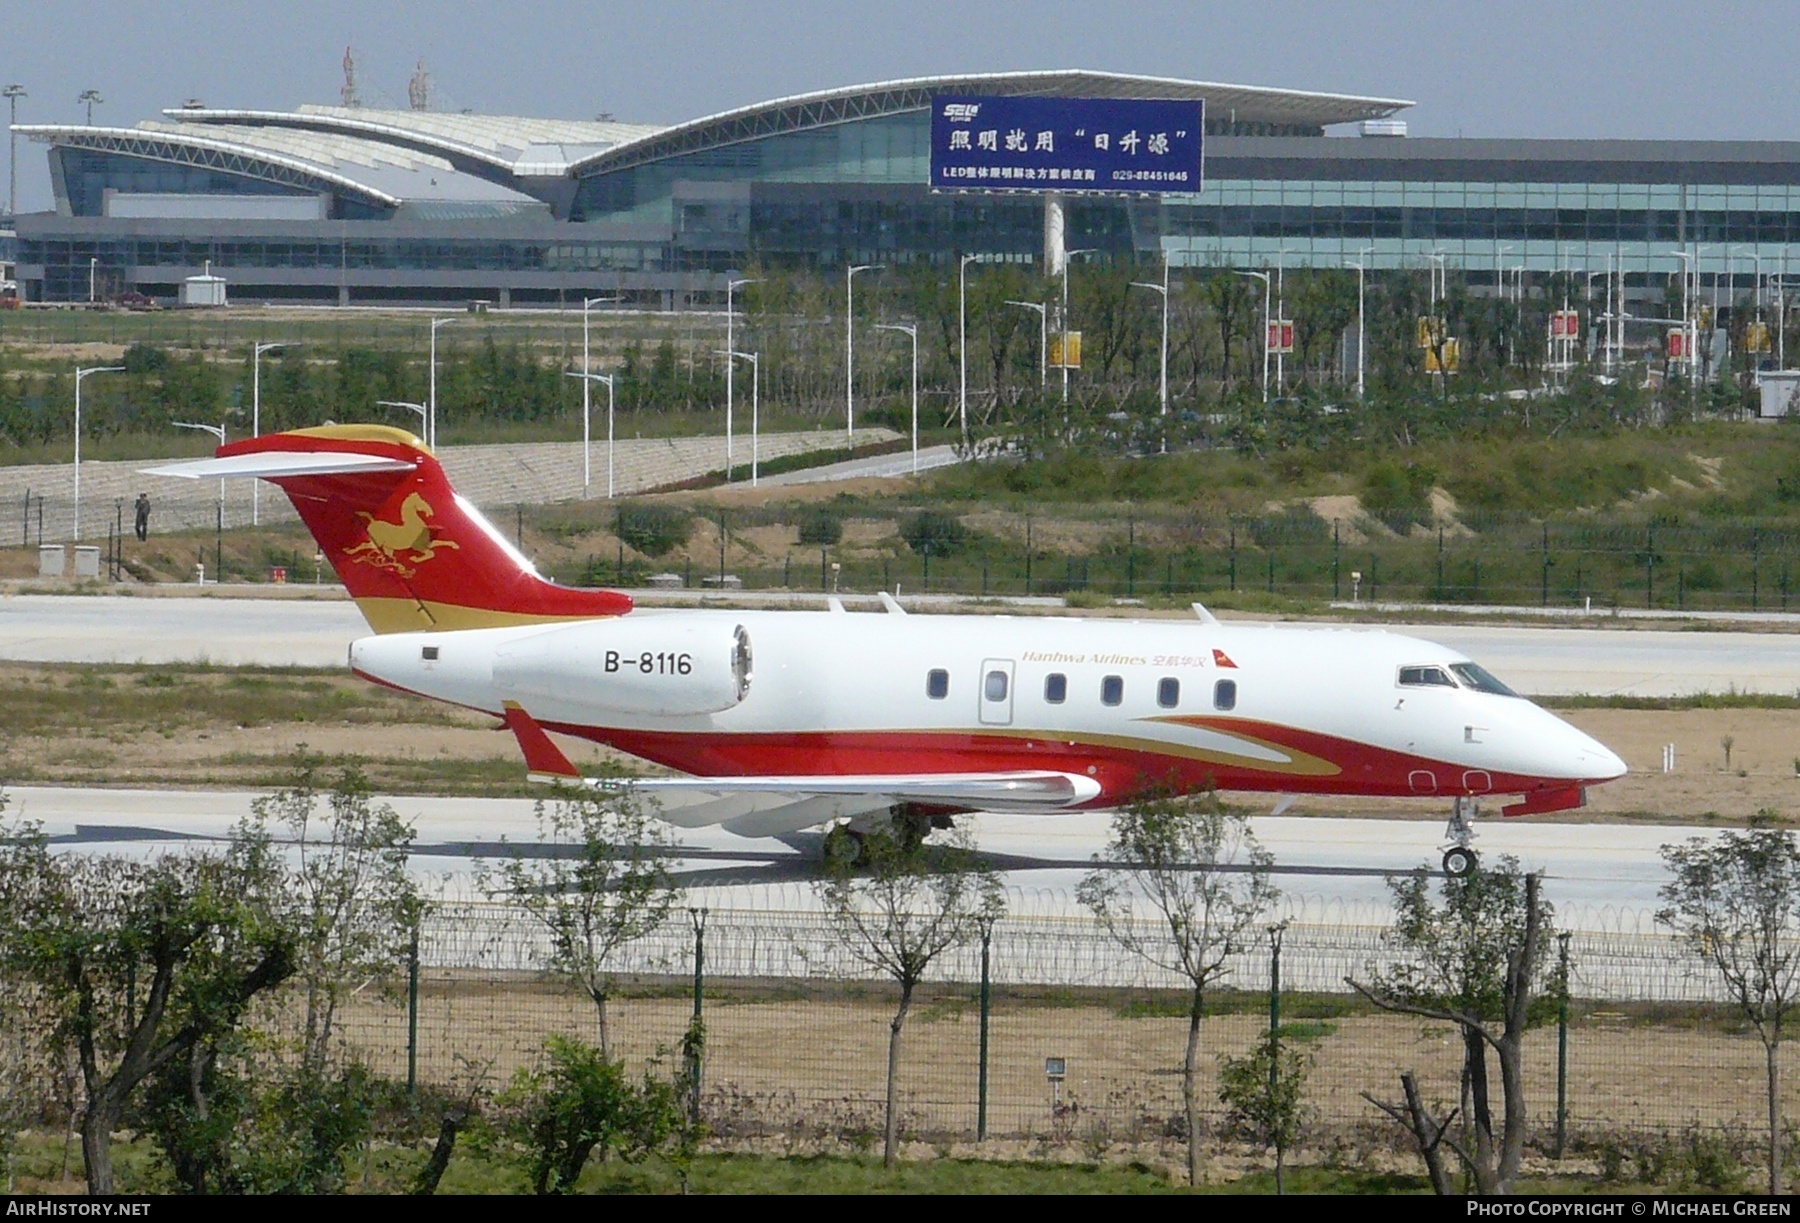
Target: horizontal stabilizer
pixel 273 464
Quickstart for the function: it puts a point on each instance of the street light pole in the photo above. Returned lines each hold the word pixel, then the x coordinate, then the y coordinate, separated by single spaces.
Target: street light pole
pixel 256 352
pixel 217 431
pixel 1043 313
pixel 912 331
pixel 90 96
pixel 730 365
pixel 850 341
pixel 587 377
pixel 1068 258
pixel 1687 315
pixel 79 375
pixel 755 406
pixel 1281 314
pixel 586 371
pixel 422 409
pixel 1361 269
pixel 1265 278
pixel 962 345
pixel 12 94
pixel 1163 289
pixel 431 420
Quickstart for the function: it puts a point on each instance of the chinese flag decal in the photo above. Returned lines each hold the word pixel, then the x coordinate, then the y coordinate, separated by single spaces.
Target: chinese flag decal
pixel 1222 659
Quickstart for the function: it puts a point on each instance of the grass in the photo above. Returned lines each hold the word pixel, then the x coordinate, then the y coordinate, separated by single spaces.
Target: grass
pixel 50 700
pixel 388 1167
pixel 1697 700
pixel 1629 1164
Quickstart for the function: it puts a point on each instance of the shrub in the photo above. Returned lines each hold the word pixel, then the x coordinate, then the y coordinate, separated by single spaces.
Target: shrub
pixel 1295 524
pixel 938 534
pixel 1398 495
pixel 142 358
pixel 821 527
pixel 654 530
pixel 577 1101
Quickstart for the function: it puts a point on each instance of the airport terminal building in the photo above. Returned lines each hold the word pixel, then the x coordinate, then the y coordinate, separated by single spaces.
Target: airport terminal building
pixel 342 205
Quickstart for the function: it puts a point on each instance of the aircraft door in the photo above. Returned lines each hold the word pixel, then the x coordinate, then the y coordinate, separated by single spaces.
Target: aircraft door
pixel 997 692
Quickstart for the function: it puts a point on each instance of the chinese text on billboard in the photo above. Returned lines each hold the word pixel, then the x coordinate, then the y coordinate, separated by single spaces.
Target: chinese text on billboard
pixel 1065 144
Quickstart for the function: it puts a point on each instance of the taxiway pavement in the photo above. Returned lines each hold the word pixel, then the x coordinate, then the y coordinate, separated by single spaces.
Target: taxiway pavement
pixel 1329 870
pixel 317 633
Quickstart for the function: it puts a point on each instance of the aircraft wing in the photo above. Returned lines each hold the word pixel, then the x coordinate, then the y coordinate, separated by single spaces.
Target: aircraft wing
pixel 768 806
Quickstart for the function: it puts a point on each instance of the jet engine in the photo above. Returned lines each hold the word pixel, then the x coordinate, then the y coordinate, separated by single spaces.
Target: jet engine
pixel 649 666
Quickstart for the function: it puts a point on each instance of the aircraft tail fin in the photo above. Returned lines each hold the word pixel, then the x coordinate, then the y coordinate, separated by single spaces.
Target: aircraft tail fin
pixel 413 554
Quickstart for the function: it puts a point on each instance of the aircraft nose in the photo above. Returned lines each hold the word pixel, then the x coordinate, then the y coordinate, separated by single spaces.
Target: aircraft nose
pixel 1597 762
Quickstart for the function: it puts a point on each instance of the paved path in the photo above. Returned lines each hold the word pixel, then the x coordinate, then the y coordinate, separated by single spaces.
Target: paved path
pixel 881 466
pixel 491 477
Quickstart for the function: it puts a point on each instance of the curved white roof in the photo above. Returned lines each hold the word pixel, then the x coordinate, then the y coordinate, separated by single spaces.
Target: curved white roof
pixel 388 174
pixel 1243 103
pixel 513 144
pixel 399 157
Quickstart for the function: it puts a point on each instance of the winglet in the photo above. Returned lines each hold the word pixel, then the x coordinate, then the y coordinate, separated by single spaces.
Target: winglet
pixel 890 603
pixel 542 757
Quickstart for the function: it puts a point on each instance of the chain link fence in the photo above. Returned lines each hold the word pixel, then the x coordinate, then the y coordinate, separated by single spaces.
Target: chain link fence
pixel 1084 1043
pixel 797 1026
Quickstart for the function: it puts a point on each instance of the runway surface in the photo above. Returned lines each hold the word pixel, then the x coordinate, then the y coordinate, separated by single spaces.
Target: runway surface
pixel 1336 869
pixel 317 633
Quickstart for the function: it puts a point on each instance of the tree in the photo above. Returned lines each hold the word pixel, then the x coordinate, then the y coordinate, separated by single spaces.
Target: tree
pixel 898 907
pixel 1182 887
pixel 1476 960
pixel 1736 900
pixel 1263 1096
pixel 594 881
pixel 144 960
pixel 353 904
pixel 577 1101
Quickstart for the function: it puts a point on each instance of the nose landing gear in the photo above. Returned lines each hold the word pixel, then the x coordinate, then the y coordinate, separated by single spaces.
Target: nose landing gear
pixel 1460 858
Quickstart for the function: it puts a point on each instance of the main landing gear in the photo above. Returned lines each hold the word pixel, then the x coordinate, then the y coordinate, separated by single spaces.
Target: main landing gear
pixel 846 843
pixel 1461 858
pixel 843 846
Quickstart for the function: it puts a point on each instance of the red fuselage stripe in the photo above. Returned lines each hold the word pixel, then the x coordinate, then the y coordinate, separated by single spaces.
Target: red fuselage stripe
pixel 1119 768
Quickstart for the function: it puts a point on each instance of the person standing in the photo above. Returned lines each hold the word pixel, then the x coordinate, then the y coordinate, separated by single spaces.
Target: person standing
pixel 142 518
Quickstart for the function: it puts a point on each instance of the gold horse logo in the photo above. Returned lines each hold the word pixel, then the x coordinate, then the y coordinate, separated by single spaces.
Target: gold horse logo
pixel 400 546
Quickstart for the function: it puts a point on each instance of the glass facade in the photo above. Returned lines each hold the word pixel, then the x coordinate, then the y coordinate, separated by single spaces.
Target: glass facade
pixel 87 174
pixel 855 191
pixel 1539 225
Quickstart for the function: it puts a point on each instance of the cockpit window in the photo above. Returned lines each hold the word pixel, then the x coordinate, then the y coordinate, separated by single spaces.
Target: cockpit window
pixel 1477 678
pixel 1425 677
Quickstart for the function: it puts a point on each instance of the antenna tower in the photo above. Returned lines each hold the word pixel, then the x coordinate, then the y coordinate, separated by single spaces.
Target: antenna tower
pixel 348 93
pixel 418 90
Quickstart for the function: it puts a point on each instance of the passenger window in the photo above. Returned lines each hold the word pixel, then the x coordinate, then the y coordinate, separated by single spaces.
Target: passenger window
pixel 1225 694
pixel 1425 677
pixel 937 685
pixel 1112 690
pixel 1168 693
pixel 1056 689
pixel 994 687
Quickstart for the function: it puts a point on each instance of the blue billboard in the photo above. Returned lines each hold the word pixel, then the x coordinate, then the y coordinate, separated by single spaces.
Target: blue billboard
pixel 1065 144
